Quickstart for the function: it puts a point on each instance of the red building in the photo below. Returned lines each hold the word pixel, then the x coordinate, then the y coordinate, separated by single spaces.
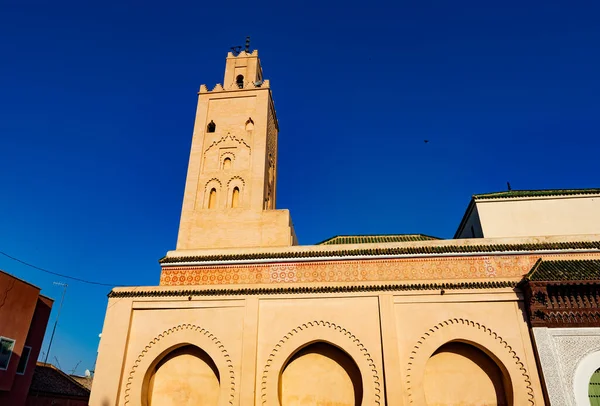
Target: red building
pixel 24 316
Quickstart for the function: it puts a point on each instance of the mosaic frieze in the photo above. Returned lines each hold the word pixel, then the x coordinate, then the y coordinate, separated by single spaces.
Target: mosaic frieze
pixel 486 267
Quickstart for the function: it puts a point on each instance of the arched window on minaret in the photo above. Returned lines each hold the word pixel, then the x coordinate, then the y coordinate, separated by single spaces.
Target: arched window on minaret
pixel 227 163
pixel 235 197
pixel 240 81
pixel 211 127
pixel 249 124
pixel 212 199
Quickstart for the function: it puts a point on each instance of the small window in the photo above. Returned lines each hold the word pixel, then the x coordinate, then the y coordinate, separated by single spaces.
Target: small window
pixel 212 198
pixel 6 349
pixel 249 125
pixel 22 367
pixel 211 127
pixel 240 81
pixel 235 197
pixel 227 163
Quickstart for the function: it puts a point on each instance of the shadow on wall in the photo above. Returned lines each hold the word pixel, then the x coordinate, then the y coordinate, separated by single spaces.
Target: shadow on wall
pixel 461 374
pixel 320 374
pixel 186 375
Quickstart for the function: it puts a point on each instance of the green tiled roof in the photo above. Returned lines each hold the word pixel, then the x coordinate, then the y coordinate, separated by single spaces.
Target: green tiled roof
pixel 565 270
pixel 435 249
pixel 536 193
pixel 374 239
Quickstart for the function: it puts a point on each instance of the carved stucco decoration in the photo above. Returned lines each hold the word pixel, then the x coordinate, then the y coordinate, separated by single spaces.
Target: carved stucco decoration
pixel 395 270
pixel 169 340
pixel 463 330
pixel 320 331
pixel 561 351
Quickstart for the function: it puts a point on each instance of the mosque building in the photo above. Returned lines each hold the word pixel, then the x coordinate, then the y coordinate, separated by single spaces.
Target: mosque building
pixel 505 313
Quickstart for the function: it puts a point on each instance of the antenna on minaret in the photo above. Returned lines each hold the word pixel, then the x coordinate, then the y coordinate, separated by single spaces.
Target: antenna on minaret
pixel 247 45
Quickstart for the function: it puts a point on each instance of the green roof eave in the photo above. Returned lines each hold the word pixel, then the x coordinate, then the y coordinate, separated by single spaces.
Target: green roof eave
pixel 390 251
pixel 565 270
pixel 375 239
pixel 535 193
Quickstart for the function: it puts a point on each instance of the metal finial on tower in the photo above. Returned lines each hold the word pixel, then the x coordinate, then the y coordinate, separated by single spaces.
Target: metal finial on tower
pixel 247 44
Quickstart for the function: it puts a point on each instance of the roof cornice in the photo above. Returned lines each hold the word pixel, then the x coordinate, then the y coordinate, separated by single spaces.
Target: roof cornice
pixel 383 251
pixel 161 292
pixel 528 194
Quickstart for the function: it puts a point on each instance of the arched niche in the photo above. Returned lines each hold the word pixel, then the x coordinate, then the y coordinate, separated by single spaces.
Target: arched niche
pixel 235 198
pixel 320 374
pixel 583 375
pixel 516 380
pixel 303 336
pixel 139 381
pixel 594 389
pixel 212 198
pixel 458 373
pixel 235 192
pixel 184 376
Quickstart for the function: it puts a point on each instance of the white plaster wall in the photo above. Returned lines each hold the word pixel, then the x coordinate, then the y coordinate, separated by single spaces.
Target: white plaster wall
pixel 540 216
pixel 566 356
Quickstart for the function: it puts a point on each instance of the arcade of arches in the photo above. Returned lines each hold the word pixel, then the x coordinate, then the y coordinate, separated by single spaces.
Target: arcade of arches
pixel 402 320
pixel 322 374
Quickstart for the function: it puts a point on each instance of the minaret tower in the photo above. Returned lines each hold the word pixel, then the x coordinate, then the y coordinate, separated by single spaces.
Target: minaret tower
pixel 230 189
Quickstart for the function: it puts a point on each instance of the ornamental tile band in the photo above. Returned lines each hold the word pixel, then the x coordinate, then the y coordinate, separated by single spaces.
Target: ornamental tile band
pixel 353 271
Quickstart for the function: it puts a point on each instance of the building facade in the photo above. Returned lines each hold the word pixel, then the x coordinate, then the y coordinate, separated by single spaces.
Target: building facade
pixel 24 314
pixel 564 311
pixel 245 316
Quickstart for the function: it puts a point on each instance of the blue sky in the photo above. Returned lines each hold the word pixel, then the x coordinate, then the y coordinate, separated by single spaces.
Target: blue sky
pixel 97 103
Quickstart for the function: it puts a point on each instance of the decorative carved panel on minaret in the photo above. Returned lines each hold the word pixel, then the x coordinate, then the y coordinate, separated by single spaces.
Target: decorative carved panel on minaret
pixel 271 160
pixel 230 147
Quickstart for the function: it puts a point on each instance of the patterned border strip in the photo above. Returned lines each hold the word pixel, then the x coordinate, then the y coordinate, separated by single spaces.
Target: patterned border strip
pixel 396 270
pixel 312 289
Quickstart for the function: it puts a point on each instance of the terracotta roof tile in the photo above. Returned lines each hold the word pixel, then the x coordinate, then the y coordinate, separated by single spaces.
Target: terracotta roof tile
pixel 48 379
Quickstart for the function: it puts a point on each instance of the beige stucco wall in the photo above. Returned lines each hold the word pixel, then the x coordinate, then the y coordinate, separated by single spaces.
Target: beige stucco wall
pixel 390 337
pixel 460 373
pixel 542 216
pixel 231 227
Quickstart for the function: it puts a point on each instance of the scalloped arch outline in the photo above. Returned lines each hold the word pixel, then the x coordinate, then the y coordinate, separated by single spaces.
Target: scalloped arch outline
pixel 212 180
pixel 372 393
pixel 467 323
pixel 142 363
pixel 236 178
